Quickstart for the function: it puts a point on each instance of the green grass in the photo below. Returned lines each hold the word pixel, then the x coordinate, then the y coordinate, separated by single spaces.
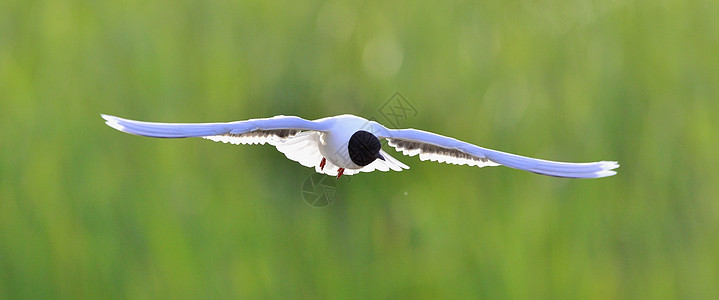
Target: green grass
pixel 89 212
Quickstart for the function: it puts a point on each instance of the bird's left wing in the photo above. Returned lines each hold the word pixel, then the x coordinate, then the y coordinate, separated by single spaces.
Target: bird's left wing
pixel 253 131
pixel 435 147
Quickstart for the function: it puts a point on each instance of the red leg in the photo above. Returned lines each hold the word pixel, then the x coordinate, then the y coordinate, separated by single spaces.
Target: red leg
pixel 322 163
pixel 339 172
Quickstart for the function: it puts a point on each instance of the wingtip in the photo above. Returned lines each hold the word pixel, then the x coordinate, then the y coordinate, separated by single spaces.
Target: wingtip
pixel 605 173
pixel 607 169
pixel 112 121
pixel 610 165
pixel 107 118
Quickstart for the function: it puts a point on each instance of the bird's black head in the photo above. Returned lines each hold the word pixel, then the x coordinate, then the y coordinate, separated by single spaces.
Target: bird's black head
pixel 364 148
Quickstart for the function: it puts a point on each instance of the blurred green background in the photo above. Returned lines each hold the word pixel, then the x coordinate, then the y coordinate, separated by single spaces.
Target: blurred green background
pixel 89 212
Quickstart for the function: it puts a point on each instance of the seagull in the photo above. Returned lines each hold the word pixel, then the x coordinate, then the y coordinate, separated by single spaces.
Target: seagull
pixel 348 144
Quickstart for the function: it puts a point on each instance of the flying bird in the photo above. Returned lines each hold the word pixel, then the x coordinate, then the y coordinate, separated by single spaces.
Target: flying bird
pixel 349 144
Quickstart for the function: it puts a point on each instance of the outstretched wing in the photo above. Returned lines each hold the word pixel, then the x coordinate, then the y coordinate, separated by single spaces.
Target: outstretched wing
pixel 254 131
pixel 295 137
pixel 435 147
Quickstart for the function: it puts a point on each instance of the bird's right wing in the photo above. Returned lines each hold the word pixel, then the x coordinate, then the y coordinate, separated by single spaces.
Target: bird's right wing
pixel 435 147
pixel 253 131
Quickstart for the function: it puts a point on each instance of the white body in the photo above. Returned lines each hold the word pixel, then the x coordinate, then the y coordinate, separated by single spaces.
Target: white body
pixel 333 142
